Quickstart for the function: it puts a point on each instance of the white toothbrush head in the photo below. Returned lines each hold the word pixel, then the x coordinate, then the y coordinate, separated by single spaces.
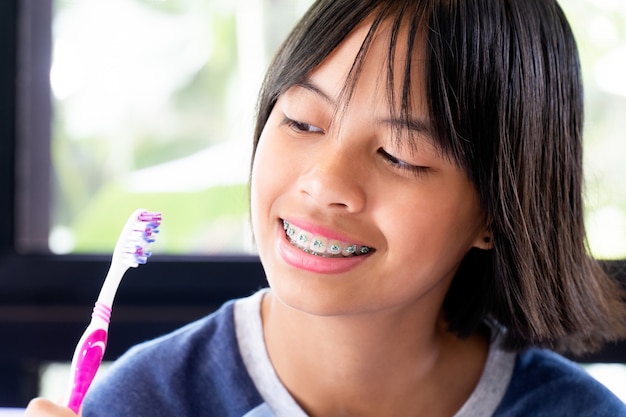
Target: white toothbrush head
pixel 132 248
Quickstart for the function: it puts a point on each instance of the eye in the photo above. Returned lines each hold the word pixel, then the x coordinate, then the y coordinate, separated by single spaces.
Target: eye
pixel 301 127
pixel 416 170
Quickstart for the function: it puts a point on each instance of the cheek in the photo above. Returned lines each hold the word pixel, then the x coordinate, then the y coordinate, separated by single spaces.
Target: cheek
pixel 259 179
pixel 267 177
pixel 441 228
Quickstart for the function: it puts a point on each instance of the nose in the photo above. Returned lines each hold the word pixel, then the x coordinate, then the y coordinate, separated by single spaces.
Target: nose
pixel 335 181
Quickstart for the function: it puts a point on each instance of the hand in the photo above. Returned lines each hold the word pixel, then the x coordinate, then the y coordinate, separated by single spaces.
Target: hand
pixel 40 407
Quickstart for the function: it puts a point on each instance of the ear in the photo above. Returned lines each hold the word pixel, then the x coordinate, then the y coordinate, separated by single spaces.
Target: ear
pixel 484 240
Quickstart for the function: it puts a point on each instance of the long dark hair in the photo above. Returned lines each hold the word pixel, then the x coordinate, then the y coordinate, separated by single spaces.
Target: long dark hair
pixel 504 90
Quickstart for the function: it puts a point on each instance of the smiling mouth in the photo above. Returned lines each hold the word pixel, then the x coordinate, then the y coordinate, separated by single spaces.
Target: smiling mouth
pixel 321 246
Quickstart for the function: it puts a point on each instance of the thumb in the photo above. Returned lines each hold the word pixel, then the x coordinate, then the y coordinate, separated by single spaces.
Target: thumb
pixel 41 407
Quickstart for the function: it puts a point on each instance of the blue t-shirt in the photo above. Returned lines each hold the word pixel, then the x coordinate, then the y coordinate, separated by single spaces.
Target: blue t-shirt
pixel 218 367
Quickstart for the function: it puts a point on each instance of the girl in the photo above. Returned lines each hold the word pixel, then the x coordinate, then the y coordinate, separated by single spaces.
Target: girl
pixel 416 202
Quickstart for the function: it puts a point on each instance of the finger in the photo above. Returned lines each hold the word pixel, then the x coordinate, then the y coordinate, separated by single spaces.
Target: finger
pixel 41 407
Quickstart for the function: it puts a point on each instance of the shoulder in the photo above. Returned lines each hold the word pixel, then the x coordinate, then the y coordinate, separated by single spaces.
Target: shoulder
pixel 547 384
pixel 165 376
pixel 192 340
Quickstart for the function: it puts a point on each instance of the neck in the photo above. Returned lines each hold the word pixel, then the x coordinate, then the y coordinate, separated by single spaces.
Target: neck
pixel 362 364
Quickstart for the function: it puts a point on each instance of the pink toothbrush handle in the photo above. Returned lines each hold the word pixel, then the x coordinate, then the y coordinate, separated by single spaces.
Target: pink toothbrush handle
pixel 87 364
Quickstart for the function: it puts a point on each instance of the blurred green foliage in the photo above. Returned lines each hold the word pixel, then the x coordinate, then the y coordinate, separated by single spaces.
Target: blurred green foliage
pixel 190 219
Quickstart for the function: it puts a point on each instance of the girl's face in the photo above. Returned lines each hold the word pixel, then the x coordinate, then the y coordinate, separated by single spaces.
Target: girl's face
pixel 348 217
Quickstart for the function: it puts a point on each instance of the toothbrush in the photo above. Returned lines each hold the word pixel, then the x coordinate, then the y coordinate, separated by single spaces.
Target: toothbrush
pixel 130 251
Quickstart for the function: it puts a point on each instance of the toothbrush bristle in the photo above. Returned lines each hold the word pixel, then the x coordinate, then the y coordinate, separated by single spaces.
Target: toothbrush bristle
pixel 141 236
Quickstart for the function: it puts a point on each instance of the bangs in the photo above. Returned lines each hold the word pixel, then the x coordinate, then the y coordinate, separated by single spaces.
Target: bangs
pixel 407 26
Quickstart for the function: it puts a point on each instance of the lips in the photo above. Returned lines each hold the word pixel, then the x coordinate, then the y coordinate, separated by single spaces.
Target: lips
pixel 321 245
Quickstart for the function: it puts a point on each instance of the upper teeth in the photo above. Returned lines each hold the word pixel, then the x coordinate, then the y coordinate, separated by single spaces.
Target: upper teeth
pixel 321 246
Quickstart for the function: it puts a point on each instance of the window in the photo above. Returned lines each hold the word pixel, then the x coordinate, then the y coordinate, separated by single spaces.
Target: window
pixel 600 31
pixel 153 105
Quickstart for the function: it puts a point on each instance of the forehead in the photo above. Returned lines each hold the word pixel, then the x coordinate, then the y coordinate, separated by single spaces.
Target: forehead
pixel 379 57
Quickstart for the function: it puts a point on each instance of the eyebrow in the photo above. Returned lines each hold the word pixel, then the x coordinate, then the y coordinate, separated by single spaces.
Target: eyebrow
pixel 418 125
pixel 307 84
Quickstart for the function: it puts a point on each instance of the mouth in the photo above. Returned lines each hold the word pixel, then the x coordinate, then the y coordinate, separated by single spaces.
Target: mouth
pixel 322 246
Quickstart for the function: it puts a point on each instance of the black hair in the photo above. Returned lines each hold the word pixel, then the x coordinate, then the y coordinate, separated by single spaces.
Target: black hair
pixel 503 86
